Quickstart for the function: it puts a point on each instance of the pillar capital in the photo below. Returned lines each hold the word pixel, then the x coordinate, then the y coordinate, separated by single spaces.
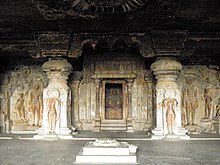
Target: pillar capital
pixel 166 69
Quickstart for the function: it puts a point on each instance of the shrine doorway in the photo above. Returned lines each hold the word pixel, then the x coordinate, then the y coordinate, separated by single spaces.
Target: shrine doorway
pixel 113 101
pixel 114 105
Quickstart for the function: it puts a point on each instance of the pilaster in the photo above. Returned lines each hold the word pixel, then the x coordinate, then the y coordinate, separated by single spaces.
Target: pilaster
pixel 98 106
pixel 129 119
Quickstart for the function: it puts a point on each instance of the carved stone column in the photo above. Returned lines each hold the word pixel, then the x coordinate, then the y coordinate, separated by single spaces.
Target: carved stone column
pixel 166 71
pixel 129 119
pixel 98 106
pixel 57 99
pixel 77 77
pixel 149 80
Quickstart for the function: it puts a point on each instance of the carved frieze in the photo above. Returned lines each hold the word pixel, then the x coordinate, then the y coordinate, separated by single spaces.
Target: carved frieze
pixel 114 69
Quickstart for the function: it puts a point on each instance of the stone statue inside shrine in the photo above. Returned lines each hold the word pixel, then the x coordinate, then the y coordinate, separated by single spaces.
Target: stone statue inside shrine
pixel 36 101
pixel 53 107
pixel 169 104
pixel 20 107
pixel 208 102
pixel 190 100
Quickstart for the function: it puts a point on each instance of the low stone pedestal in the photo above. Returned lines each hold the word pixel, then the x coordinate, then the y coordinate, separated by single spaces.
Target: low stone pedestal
pixel 209 126
pixel 107 151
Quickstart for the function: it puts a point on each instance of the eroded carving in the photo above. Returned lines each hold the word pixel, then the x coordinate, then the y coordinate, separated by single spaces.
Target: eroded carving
pixel 20 107
pixel 190 100
pixel 208 102
pixel 36 103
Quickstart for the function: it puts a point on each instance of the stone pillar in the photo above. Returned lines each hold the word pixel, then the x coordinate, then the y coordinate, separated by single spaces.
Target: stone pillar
pixel 77 77
pixel 166 71
pixel 98 106
pixel 129 119
pixel 57 100
pixel 150 86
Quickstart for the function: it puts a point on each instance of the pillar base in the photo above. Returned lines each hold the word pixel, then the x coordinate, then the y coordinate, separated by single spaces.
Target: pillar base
pixel 179 135
pixel 158 133
pixel 65 133
pixel 130 127
pixel 97 125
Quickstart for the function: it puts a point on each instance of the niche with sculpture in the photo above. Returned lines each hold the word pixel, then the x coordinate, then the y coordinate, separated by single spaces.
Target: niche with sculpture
pixel 23 99
pixel 200 99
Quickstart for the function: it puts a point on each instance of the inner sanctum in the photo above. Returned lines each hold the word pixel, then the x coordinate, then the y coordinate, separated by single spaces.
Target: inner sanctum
pixel 119 66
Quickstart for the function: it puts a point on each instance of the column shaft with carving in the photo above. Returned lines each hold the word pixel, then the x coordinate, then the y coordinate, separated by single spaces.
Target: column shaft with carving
pixel 98 106
pixel 166 71
pixel 56 99
pixel 129 119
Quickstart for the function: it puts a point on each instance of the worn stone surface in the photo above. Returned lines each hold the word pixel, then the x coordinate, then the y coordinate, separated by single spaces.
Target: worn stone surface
pixel 19 152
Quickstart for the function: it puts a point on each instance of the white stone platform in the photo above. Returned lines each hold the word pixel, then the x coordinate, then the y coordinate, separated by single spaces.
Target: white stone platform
pixel 107 151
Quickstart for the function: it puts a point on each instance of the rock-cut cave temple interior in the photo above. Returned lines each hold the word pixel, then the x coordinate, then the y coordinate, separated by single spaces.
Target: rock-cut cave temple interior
pixel 119 65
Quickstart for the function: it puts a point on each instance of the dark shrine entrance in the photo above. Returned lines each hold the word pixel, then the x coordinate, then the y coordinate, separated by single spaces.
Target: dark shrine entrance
pixel 113 101
pixel 114 105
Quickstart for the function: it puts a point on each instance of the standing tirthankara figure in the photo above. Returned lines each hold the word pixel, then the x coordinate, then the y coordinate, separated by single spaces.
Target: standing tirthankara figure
pixel 53 107
pixel 190 100
pixel 36 101
pixel 169 105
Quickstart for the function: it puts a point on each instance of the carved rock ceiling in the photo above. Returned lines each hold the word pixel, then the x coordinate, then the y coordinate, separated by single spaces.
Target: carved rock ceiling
pixel 103 16
pixel 26 18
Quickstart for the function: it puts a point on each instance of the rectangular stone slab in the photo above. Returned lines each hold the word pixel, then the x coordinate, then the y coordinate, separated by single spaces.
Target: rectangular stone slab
pixel 111 159
pixel 105 151
pixel 90 149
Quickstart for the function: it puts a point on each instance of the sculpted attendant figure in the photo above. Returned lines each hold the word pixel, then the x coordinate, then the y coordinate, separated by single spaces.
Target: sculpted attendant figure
pixel 190 101
pixel 208 102
pixel 217 111
pixel 19 106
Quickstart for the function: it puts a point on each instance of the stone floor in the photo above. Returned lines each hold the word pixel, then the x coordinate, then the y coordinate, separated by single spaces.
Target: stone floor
pixel 23 150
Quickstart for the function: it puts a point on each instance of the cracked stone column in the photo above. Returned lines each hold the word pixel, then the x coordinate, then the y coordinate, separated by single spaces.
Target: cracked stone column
pixel 57 100
pixel 166 70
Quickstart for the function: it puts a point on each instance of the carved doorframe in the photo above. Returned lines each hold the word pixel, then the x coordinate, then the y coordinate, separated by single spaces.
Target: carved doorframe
pixel 125 97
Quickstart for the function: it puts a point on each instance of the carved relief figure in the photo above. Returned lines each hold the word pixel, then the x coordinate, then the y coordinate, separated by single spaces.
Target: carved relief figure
pixel 217 111
pixel 2 113
pixel 190 100
pixel 36 101
pixel 53 107
pixel 20 107
pixel 208 102
pixel 169 104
